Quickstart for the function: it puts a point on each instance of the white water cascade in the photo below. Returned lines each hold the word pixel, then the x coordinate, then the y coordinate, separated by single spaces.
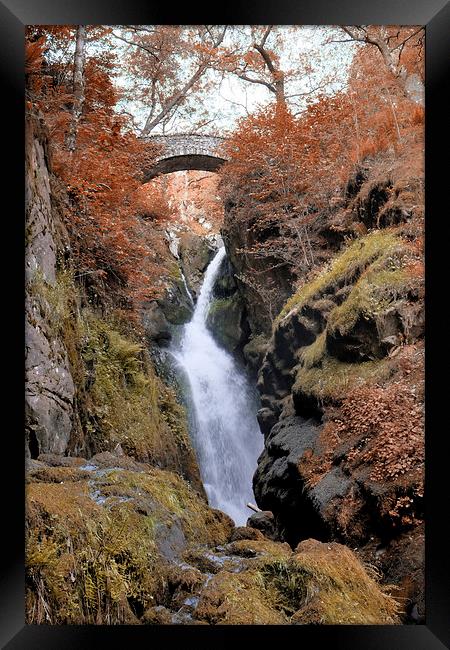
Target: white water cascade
pixel 225 431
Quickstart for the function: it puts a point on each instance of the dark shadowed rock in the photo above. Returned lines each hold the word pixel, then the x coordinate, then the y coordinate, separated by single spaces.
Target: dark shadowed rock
pixel 246 532
pixel 54 460
pixel 195 254
pixel 155 323
pixel 227 322
pixel 333 485
pixel 264 522
pixel 277 483
pixel 170 540
pixel 254 352
pixel 266 419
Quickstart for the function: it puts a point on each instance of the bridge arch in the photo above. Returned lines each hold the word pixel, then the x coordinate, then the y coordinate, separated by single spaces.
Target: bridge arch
pixel 186 151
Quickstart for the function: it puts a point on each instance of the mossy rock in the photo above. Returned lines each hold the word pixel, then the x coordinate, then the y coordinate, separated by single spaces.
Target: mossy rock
pixel 325 583
pixel 129 405
pixel 345 267
pixel 255 350
pixel 226 321
pixel 364 304
pixel 332 379
pixel 195 255
pixel 225 284
pixel 97 553
pixel 317 584
pixel 236 599
pixel 175 304
pixel 97 546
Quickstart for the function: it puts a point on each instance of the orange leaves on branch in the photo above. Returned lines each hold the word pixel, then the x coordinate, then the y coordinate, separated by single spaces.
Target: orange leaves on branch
pixel 110 243
pixel 34 55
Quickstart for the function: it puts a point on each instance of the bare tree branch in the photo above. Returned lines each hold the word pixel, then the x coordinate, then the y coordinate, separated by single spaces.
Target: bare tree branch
pixel 138 45
pixel 181 93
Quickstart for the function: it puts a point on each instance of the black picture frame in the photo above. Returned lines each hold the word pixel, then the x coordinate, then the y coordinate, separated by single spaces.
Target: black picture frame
pixel 435 15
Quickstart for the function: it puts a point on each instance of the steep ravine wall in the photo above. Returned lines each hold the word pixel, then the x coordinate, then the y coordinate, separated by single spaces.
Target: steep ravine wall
pixel 342 390
pixel 50 391
pixel 90 384
pixel 118 529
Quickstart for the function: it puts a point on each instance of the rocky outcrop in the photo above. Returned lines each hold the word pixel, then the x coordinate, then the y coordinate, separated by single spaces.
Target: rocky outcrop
pixel 49 396
pixel 263 285
pixel 277 484
pixel 254 352
pixel 263 522
pixel 158 554
pixel 341 393
pixel 227 317
pixel 175 307
pixel 49 385
pixel 195 253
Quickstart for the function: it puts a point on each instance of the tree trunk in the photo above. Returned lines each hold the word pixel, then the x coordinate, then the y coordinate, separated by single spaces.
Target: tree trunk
pixel 78 87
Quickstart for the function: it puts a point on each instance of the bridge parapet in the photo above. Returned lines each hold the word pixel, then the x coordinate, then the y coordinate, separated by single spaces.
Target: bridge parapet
pixel 188 144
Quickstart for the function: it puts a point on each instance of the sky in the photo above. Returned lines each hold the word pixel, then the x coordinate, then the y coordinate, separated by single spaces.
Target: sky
pixel 235 98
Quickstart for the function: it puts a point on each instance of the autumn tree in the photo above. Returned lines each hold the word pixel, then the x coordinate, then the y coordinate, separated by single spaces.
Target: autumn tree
pixel 98 157
pixel 78 86
pixel 282 171
pixel 287 174
pixel 253 61
pixel 166 64
pixel 393 45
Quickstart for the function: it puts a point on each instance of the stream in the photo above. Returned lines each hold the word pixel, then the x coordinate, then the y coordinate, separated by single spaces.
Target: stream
pixel 222 409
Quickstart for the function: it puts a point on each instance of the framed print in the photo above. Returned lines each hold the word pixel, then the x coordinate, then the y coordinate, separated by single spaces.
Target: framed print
pixel 231 263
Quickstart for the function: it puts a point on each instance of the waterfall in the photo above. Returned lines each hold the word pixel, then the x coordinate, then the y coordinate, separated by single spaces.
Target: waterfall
pixel 224 430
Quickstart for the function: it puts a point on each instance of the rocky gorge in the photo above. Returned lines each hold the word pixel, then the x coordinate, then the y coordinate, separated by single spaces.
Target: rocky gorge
pixel 119 526
pixel 340 377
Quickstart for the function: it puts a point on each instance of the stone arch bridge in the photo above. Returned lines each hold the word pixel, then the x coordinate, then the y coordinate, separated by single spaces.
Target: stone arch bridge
pixel 186 151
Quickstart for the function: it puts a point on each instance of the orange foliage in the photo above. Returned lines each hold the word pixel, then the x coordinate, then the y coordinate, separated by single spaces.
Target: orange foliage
pixel 102 175
pixel 388 423
pixel 287 171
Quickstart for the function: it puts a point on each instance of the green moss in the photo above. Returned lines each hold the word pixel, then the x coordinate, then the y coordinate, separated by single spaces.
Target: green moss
pixel 371 295
pixel 120 397
pixel 175 273
pixel 56 301
pixel 285 582
pixel 333 378
pixel 374 268
pixel 86 564
pixel 218 304
pixel 171 496
pixel 224 318
pixel 129 403
pixel 356 256
pixel 89 563
pixel 58 306
pixel 312 354
pixel 237 599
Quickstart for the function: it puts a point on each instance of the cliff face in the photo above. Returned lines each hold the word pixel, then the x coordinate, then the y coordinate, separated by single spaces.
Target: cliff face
pixel 50 390
pixel 260 300
pixel 90 384
pixel 342 391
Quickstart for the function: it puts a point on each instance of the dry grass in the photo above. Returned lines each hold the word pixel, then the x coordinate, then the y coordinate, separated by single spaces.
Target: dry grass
pixel 325 584
pixel 130 405
pixel 339 589
pixel 311 355
pixel 100 563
